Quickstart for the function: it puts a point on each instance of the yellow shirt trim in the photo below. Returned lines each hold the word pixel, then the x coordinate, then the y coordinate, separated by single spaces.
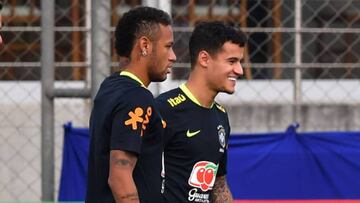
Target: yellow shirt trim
pixel 192 97
pixel 132 76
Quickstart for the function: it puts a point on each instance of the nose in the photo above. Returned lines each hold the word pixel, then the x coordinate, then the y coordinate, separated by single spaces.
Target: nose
pixel 238 69
pixel 172 56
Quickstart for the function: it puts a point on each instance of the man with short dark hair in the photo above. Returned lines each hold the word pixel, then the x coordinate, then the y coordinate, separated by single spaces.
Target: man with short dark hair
pixel 125 126
pixel 197 132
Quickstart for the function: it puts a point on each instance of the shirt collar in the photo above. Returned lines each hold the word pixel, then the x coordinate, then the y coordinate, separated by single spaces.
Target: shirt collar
pixel 132 76
pixel 191 96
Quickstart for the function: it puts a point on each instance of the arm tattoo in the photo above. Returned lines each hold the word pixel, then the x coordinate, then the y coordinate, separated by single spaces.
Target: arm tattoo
pixel 221 192
pixel 132 197
pixel 121 162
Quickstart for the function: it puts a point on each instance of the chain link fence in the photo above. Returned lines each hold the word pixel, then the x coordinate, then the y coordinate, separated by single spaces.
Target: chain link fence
pixel 301 64
pixel 319 46
pixel 20 90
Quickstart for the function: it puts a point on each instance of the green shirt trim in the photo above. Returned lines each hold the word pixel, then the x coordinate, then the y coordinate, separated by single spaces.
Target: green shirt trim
pixel 132 76
pixel 192 97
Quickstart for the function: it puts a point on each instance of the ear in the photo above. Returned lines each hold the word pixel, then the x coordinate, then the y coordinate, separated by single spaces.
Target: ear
pixel 203 58
pixel 145 44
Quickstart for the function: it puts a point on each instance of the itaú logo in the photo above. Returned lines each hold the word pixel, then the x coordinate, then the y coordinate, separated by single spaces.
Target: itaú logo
pixel 203 175
pixel 176 100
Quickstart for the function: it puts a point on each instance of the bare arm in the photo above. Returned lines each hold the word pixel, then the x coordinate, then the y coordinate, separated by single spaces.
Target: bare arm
pixel 221 192
pixel 120 177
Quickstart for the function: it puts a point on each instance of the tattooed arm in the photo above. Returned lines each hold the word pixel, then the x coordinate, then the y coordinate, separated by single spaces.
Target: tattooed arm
pixel 120 177
pixel 221 192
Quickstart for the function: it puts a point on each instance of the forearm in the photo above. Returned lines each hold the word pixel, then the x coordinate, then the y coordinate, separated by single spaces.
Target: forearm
pixel 120 177
pixel 124 191
pixel 221 192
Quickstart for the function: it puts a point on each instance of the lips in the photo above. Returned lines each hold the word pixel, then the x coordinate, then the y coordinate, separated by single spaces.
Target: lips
pixel 168 68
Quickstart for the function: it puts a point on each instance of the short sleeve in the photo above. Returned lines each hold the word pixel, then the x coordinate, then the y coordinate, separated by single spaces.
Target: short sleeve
pixel 130 120
pixel 165 112
pixel 222 165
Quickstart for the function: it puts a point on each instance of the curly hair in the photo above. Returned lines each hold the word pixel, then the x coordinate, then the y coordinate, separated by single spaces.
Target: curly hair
pixel 141 21
pixel 211 36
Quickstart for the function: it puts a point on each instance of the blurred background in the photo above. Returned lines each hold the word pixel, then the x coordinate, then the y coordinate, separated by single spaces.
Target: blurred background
pixel 302 63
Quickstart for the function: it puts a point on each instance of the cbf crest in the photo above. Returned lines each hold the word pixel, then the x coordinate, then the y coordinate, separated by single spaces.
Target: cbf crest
pixel 221 133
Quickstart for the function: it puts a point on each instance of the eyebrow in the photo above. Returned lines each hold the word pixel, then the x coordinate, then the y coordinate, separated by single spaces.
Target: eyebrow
pixel 233 58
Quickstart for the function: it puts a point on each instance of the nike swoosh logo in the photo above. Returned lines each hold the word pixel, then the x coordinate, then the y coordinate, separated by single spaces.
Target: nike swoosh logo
pixel 191 134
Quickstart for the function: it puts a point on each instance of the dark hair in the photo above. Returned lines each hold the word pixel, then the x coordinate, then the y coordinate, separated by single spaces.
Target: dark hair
pixel 140 21
pixel 211 36
pixel 1 5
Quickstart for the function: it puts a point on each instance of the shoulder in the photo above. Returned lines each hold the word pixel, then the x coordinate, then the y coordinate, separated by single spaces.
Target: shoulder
pixel 139 92
pixel 120 90
pixel 138 96
pixel 130 88
pixel 171 99
pixel 224 116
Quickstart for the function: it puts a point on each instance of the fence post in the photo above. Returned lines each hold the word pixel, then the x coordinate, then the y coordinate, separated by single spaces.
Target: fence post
pixel 298 62
pixel 47 102
pixel 101 46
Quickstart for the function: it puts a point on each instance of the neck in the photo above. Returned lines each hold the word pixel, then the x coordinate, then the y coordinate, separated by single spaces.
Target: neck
pixel 200 89
pixel 137 70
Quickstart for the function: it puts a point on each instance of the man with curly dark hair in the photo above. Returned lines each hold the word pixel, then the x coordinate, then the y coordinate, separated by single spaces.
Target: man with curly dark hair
pixel 197 132
pixel 125 126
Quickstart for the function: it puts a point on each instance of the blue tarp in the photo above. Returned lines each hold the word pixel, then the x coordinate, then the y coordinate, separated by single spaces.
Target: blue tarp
pixel 74 164
pixel 287 165
pixel 291 165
